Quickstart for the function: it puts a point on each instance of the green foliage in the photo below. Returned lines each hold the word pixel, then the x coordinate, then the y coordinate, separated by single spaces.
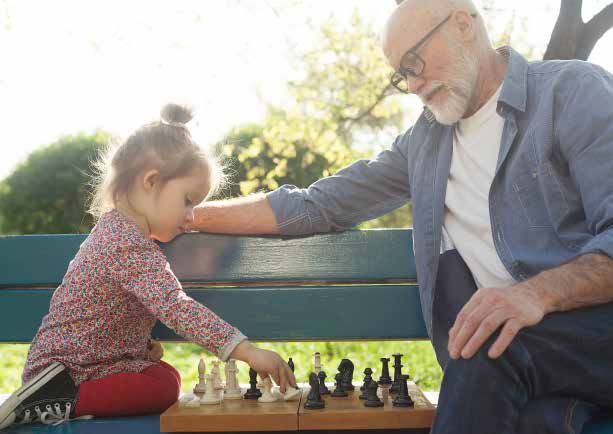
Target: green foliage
pixel 343 95
pixel 419 360
pixel 47 193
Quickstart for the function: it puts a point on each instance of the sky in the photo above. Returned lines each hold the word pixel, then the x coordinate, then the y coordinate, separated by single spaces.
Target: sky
pixel 81 65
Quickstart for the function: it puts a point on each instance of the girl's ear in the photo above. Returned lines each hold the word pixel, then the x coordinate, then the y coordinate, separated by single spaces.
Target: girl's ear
pixel 150 180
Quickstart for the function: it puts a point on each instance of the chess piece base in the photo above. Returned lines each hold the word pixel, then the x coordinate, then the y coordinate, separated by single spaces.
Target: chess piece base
pixel 252 394
pixel 402 402
pixel 314 405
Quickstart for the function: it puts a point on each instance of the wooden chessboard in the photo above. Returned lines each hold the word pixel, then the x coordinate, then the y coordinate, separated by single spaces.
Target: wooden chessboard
pixel 339 414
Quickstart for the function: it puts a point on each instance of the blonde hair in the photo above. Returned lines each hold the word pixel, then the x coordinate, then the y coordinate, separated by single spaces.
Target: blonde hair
pixel 165 145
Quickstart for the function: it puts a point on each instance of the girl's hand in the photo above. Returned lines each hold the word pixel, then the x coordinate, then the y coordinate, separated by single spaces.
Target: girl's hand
pixel 266 363
pixel 156 352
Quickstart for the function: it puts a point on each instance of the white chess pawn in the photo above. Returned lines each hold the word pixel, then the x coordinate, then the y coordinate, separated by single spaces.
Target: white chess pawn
pixel 217 384
pixel 200 388
pixel 210 396
pixel 291 394
pixel 233 391
pixel 265 386
pixel 316 362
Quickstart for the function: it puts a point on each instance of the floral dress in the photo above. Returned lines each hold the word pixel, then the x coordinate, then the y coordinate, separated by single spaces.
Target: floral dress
pixel 100 317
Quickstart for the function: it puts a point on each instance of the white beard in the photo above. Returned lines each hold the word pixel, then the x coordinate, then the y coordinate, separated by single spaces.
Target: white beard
pixel 460 89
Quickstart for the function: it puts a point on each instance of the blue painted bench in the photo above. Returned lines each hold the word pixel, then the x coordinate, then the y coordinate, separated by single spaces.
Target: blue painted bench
pixel 272 288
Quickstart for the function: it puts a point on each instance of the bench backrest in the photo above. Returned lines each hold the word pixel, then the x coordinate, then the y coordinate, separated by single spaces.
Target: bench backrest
pixel 356 285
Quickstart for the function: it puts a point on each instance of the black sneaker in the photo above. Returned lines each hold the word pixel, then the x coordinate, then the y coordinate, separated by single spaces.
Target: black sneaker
pixel 49 397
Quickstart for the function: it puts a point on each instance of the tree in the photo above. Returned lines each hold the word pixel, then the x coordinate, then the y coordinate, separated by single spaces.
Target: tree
pixel 571 37
pixel 47 193
pixel 343 97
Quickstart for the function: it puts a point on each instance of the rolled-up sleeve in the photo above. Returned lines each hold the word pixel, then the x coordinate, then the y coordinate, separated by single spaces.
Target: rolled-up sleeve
pixel 585 134
pixel 362 191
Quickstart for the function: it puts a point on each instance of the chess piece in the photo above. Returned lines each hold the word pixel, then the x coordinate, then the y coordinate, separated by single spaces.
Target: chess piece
pixel 372 400
pixel 397 373
pixel 346 369
pixel 192 402
pixel 217 384
pixel 385 381
pixel 316 363
pixel 338 389
pixel 200 388
pixel 290 363
pixel 323 389
pixel 403 399
pixel 314 400
pixel 232 391
pixel 266 386
pixel 210 396
pixel 367 379
pixel 291 394
pixel 253 392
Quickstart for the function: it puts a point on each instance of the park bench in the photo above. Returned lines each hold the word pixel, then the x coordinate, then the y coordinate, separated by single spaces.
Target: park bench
pixel 356 285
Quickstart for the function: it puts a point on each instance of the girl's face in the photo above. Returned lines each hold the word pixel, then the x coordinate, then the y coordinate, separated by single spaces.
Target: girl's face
pixel 173 205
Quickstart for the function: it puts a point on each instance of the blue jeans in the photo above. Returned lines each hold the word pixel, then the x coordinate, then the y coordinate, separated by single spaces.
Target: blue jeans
pixel 553 378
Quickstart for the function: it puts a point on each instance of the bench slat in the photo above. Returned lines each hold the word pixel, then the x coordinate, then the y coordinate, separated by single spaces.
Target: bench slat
pixel 354 312
pixel 370 255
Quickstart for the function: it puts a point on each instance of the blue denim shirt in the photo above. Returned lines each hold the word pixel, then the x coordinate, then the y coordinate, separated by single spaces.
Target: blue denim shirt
pixel 551 198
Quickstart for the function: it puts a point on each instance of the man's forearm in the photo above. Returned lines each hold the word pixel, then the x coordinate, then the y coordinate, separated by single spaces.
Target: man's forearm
pixel 243 215
pixel 584 281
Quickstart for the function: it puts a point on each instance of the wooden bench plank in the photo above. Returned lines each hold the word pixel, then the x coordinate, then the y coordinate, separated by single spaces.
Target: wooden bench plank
pixel 346 312
pixel 372 255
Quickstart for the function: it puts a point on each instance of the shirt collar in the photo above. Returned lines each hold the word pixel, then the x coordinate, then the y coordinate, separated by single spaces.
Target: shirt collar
pixel 514 91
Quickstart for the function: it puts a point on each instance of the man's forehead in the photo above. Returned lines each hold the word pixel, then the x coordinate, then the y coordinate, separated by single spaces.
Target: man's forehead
pixel 407 25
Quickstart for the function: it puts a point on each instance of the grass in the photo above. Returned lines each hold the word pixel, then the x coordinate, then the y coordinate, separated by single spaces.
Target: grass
pixel 419 360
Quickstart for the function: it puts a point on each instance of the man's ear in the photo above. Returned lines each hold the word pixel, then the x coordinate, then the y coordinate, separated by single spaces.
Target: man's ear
pixel 464 25
pixel 151 180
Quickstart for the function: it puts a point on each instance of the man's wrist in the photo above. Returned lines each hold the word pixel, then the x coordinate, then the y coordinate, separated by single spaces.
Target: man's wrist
pixel 540 292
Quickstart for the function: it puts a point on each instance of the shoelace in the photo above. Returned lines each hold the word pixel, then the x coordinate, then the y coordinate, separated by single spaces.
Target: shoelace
pixel 51 415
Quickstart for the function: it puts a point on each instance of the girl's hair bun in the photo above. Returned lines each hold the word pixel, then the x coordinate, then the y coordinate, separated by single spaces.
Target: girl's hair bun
pixel 175 113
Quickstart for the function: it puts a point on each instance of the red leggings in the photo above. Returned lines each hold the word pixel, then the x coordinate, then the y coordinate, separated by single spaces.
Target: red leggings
pixel 128 393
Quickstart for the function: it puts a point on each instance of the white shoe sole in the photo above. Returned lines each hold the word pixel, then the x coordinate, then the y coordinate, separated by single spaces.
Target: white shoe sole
pixel 7 409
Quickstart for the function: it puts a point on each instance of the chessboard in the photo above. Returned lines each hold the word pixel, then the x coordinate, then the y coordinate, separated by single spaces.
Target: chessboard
pixel 339 413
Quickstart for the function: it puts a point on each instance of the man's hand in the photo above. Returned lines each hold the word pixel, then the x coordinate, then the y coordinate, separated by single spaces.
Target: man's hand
pixel 156 352
pixel 488 309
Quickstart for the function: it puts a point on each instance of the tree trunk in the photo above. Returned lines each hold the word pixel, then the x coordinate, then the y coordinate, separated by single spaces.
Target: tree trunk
pixel 571 37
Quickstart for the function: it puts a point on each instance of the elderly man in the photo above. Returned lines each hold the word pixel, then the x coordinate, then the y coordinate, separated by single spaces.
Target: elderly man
pixel 510 172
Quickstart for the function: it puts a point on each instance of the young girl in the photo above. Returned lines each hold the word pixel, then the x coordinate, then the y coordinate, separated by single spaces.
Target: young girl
pixel 93 354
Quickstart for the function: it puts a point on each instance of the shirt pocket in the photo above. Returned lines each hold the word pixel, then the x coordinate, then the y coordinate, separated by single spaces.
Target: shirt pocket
pixel 527 188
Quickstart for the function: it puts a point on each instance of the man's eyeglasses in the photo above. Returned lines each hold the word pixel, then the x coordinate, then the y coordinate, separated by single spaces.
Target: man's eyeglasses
pixel 411 64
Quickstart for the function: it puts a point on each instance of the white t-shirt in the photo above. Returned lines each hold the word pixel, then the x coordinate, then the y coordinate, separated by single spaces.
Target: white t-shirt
pixel 466 223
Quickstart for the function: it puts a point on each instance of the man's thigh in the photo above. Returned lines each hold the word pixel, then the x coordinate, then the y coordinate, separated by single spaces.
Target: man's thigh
pixel 572 354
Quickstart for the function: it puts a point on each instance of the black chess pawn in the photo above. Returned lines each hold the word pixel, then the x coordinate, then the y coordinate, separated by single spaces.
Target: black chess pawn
pixel 403 399
pixel 314 400
pixel 253 392
pixel 290 362
pixel 367 380
pixel 397 373
pixel 372 400
pixel 323 389
pixel 338 389
pixel 385 372
pixel 346 369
